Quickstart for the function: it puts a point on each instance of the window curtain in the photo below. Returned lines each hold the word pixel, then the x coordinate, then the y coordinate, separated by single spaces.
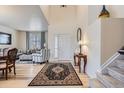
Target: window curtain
pixel 35 40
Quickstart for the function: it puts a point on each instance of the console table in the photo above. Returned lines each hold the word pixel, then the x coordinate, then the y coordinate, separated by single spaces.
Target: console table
pixel 79 56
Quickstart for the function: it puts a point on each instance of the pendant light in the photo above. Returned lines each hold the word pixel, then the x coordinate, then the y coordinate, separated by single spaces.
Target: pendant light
pixel 104 13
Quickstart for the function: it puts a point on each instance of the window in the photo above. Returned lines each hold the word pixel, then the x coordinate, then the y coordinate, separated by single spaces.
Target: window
pixel 35 40
pixel 56 47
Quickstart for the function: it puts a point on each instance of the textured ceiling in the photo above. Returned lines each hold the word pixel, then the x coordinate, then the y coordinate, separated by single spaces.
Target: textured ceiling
pixel 23 17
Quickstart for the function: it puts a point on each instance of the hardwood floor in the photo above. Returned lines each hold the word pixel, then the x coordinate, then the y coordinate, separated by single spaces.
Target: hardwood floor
pixel 26 72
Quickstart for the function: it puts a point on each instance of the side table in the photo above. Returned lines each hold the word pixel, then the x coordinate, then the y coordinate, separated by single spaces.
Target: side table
pixel 79 56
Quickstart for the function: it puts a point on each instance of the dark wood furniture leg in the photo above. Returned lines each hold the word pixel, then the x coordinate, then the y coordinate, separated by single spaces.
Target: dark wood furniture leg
pixel 10 70
pixel 74 60
pixel 79 63
pixel 6 74
pixel 14 70
pixel 10 61
pixel 3 72
pixel 85 63
pixel 33 62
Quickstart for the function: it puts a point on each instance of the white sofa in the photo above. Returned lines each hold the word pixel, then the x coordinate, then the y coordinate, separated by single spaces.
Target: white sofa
pixel 25 57
pixel 41 56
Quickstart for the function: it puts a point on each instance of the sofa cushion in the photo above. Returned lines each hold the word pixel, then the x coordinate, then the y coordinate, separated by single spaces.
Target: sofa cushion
pixel 25 57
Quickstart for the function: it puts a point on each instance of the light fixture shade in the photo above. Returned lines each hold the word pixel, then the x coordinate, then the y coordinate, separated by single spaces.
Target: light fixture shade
pixel 63 5
pixel 104 13
pixel 45 45
pixel 80 42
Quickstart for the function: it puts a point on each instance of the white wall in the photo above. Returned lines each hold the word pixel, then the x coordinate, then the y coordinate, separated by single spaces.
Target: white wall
pixel 62 21
pixel 45 10
pixel 82 16
pixel 112 36
pixel 22 40
pixel 61 15
pixel 94 48
pixel 116 11
pixel 87 20
pixel 14 34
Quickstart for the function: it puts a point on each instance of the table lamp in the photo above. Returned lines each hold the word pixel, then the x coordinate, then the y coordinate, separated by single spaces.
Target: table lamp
pixel 80 46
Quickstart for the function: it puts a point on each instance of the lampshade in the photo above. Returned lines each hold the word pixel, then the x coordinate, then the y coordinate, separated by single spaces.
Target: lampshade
pixel 45 45
pixel 104 13
pixel 80 42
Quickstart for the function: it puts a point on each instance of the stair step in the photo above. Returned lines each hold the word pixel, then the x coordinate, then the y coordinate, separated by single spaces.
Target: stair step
pixel 94 83
pixel 116 73
pixel 109 81
pixel 121 51
pixel 120 63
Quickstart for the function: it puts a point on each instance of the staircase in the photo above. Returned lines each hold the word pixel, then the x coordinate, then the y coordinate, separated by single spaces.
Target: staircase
pixel 111 74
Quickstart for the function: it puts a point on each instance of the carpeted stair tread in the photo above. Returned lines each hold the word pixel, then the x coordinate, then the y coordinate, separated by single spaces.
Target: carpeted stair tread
pixel 94 83
pixel 116 73
pixel 120 63
pixel 110 81
pixel 117 70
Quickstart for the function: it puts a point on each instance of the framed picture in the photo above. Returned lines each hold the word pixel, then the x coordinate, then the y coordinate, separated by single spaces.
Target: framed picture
pixel 5 38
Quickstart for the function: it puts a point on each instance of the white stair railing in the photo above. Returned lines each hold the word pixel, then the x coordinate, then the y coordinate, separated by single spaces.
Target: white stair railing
pixel 109 61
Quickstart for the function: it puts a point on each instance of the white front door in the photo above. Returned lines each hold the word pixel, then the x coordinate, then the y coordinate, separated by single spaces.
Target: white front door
pixel 63 47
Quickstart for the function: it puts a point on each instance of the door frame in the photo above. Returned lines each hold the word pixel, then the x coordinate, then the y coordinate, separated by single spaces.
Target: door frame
pixel 67 34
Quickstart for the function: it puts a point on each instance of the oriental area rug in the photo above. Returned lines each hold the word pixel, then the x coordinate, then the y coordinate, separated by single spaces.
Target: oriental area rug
pixel 56 74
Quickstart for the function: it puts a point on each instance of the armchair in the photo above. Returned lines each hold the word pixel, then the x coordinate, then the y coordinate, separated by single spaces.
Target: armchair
pixel 41 56
pixel 9 61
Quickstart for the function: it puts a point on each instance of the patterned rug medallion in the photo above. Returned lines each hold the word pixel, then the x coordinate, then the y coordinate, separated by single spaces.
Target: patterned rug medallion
pixel 56 74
